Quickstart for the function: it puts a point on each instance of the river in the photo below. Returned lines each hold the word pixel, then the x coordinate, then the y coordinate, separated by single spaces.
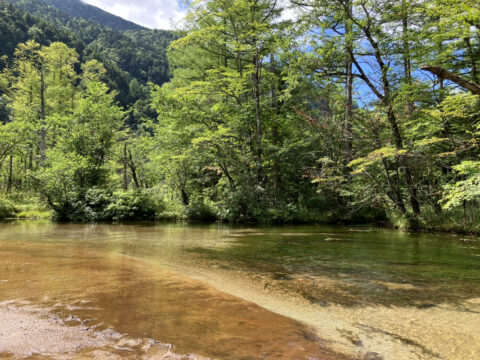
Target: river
pixel 291 292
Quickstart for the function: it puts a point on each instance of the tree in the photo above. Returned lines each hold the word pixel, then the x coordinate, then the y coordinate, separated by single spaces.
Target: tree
pixel 219 102
pixel 362 31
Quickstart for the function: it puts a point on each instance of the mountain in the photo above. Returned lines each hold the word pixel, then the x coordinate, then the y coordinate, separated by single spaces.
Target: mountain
pixel 132 58
pixel 80 9
pixel 140 53
pixel 17 26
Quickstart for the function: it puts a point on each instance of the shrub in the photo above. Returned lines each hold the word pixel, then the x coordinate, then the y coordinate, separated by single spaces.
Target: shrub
pixel 7 208
pixel 368 215
pixel 133 205
pixel 99 204
pixel 94 204
pixel 199 210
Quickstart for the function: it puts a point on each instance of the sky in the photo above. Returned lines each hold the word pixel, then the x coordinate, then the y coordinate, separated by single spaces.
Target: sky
pixel 154 14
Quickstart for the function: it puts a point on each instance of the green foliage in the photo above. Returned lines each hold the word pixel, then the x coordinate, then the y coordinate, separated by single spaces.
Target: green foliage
pixel 17 27
pixel 7 208
pixel 134 53
pixel 80 9
pixel 139 52
pixel 199 209
pixel 250 119
pixel 465 190
pixel 133 205
pixel 99 204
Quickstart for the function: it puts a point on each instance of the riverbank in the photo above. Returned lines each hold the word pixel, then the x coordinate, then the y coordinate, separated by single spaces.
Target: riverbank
pixel 81 273
pixel 30 206
pixel 27 331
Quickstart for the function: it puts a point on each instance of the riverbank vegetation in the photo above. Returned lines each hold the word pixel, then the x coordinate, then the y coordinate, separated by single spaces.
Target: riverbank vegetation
pixel 320 111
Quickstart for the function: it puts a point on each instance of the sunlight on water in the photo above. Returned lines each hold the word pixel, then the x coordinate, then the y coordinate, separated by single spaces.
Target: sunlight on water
pixel 363 292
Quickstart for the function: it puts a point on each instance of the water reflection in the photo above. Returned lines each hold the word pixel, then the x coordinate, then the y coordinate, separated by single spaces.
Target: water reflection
pixel 78 271
pixel 372 267
pixel 405 296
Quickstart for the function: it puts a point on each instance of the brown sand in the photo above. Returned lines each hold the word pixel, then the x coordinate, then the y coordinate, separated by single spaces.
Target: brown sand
pixel 30 332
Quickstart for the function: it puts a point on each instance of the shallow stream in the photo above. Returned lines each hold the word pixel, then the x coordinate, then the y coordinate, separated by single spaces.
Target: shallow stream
pixel 303 292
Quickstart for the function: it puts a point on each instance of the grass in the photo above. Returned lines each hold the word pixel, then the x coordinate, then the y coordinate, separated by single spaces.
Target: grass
pixel 33 212
pixel 25 206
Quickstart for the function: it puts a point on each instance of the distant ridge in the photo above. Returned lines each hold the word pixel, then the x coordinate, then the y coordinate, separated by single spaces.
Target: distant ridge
pixel 131 57
pixel 80 9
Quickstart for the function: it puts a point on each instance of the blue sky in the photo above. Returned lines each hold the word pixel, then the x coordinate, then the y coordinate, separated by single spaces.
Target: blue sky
pixel 154 14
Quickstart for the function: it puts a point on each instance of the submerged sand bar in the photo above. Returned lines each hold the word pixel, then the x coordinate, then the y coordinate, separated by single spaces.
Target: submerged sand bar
pixel 223 293
pixel 30 332
pixel 78 300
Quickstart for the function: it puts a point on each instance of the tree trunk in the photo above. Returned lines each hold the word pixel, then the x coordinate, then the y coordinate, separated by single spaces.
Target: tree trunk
pixel 10 175
pixel 387 101
pixel 406 47
pixel 277 178
pixel 259 130
pixel 43 131
pixel 347 126
pixel 185 197
pixel 133 170
pixel 125 168
pixel 407 63
pixel 30 157
pixel 224 168
pixel 412 191
pixel 473 63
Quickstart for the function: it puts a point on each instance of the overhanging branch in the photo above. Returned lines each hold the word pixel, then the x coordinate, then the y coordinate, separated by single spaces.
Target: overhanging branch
pixel 447 75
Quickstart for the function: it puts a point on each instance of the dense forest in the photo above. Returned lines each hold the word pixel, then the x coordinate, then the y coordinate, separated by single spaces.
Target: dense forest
pixel 364 111
pixel 77 9
pixel 132 55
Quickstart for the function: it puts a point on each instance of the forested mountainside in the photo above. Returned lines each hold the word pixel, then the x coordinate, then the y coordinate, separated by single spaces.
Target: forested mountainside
pixel 355 111
pixel 17 26
pixel 140 52
pixel 80 9
pixel 134 55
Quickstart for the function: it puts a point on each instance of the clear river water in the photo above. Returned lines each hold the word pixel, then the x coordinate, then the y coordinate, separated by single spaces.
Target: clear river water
pixel 291 292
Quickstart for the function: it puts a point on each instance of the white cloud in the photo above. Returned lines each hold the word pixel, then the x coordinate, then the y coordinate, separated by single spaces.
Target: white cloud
pixel 289 12
pixel 154 14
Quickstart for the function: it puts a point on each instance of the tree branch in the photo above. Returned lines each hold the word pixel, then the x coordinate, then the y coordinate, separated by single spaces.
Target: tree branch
pixel 447 75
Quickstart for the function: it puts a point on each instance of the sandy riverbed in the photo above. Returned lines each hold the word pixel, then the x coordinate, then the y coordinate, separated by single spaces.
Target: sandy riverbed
pixel 30 332
pixel 445 331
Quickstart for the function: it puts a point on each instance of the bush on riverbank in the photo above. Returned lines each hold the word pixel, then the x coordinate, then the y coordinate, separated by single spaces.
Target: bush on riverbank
pixel 201 210
pixel 132 206
pixel 100 205
pixel 30 206
pixel 20 205
pixel 103 205
pixel 455 220
pixel 7 208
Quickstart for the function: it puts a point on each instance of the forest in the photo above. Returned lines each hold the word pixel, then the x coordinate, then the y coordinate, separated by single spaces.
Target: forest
pixel 308 111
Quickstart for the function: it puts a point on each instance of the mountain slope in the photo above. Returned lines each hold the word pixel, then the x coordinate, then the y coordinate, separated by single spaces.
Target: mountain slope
pixel 132 58
pixel 80 9
pixel 16 27
pixel 140 53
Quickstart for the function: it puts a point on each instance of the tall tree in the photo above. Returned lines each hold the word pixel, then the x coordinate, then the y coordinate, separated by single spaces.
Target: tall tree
pixel 374 61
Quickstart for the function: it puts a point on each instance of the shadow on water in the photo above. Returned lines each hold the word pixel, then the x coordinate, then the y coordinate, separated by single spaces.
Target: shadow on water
pixel 79 272
pixel 355 266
